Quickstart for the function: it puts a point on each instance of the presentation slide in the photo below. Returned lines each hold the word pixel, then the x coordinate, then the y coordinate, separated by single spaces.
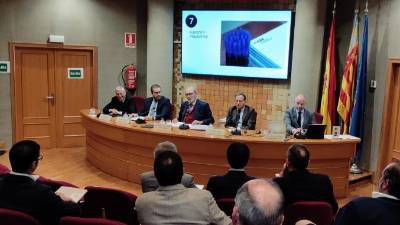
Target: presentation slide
pixel 237 43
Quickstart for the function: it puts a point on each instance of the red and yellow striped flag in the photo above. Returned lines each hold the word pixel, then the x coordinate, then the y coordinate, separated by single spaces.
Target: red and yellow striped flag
pixel 328 91
pixel 346 96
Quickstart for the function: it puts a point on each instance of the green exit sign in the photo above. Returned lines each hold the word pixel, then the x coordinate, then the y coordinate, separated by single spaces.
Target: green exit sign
pixel 4 66
pixel 75 73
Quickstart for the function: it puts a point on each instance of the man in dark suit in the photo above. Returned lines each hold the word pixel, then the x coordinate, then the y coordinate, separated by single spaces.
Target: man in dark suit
pixel 298 184
pixel 227 185
pixel 148 179
pixel 298 118
pixel 156 107
pixel 241 116
pixel 195 111
pixel 384 206
pixel 20 190
pixel 120 103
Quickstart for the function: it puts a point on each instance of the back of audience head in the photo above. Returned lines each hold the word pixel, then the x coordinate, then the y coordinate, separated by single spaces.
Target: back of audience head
pixel 390 180
pixel 298 157
pixel 24 156
pixel 164 146
pixel 168 168
pixel 258 202
pixel 238 155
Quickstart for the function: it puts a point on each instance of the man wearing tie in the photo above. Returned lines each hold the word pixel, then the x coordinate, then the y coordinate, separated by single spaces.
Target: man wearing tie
pixel 195 111
pixel 156 107
pixel 298 118
pixel 240 115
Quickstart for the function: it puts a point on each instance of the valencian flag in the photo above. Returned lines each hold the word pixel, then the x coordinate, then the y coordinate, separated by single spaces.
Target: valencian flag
pixel 345 104
pixel 358 114
pixel 328 90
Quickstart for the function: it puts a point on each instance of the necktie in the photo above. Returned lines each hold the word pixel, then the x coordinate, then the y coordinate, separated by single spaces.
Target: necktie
pixel 238 116
pixel 299 119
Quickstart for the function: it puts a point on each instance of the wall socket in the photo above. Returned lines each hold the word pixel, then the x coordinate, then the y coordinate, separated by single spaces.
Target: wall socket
pixel 373 84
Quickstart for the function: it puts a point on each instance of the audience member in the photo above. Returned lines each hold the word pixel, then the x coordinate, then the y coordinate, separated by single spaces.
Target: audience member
pixel 227 185
pixel 384 206
pixel 172 203
pixel 120 103
pixel 298 118
pixel 298 184
pixel 241 115
pixel 20 190
pixel 258 202
pixel 156 107
pixel 149 180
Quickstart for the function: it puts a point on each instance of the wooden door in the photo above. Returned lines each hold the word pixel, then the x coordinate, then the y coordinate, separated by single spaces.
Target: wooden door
pixel 46 102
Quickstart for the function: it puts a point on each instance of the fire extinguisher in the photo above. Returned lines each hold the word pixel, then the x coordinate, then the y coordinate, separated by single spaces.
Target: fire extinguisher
pixel 130 78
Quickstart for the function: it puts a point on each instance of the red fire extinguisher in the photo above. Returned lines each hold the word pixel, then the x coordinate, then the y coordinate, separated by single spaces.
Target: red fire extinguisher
pixel 130 78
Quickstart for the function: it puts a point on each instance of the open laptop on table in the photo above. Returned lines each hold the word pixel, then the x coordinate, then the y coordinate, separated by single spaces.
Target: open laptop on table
pixel 315 131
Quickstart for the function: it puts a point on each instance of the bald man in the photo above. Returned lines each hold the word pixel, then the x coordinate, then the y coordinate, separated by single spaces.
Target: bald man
pixel 298 117
pixel 120 103
pixel 258 202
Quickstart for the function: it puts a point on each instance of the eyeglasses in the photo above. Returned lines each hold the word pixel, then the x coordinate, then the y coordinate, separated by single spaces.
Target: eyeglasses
pixel 40 157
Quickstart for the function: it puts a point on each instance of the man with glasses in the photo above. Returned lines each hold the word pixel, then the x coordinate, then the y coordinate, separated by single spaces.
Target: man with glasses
pixel 20 189
pixel 120 103
pixel 156 107
pixel 195 111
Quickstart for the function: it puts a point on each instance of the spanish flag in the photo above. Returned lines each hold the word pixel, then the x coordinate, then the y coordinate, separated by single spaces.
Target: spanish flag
pixel 328 90
pixel 346 96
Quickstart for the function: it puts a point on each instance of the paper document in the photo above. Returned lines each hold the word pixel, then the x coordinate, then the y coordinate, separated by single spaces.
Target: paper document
pixel 199 186
pixel 75 194
pixel 198 127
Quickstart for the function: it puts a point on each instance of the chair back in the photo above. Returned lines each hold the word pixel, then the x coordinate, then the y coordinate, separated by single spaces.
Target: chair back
pixel 55 184
pixel 111 204
pixel 71 220
pixel 317 211
pixel 139 103
pixel 13 217
pixel 318 117
pixel 226 205
pixel 4 169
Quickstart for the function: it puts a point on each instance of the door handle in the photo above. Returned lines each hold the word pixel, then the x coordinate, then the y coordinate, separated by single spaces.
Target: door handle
pixel 51 98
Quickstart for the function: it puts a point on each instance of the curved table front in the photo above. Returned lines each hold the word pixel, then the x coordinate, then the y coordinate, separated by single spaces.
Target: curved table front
pixel 126 151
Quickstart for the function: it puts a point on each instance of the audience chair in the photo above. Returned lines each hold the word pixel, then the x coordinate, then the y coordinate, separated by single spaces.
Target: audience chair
pixel 318 212
pixel 4 169
pixel 226 205
pixel 55 184
pixel 111 204
pixel 318 117
pixel 139 103
pixel 71 220
pixel 13 217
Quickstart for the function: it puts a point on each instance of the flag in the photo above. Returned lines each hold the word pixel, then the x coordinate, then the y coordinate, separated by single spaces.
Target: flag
pixel 358 114
pixel 345 103
pixel 328 104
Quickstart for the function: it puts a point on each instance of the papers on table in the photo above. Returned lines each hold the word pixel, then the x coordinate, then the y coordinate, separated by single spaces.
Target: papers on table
pixel 343 137
pixel 75 194
pixel 198 127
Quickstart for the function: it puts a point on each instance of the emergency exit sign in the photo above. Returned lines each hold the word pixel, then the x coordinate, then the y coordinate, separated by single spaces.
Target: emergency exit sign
pixel 75 73
pixel 4 66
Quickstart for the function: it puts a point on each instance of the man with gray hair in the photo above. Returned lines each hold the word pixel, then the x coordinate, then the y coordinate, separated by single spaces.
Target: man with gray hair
pixel 120 103
pixel 148 179
pixel 258 202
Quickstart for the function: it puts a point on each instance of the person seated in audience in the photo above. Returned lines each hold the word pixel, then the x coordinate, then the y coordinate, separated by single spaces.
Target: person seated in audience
pixel 120 103
pixel 148 179
pixel 20 190
pixel 382 208
pixel 240 115
pixel 227 185
pixel 172 203
pixel 298 184
pixel 195 111
pixel 298 117
pixel 156 107
pixel 258 202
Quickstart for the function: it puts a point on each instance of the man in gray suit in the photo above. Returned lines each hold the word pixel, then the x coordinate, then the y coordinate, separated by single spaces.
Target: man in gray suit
pixel 149 181
pixel 172 203
pixel 298 118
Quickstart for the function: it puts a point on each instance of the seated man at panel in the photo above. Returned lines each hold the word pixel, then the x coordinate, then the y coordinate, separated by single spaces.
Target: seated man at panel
pixel 120 103
pixel 172 203
pixel 384 206
pixel 195 111
pixel 298 118
pixel 226 186
pixel 298 184
pixel 156 107
pixel 241 115
pixel 20 190
pixel 148 179
pixel 258 202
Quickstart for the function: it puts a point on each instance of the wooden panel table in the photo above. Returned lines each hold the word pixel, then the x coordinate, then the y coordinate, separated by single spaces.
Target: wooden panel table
pixel 126 150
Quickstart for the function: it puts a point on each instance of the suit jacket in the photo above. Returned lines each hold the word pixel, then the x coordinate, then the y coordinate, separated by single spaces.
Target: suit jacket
pixel 176 204
pixel 202 112
pixel 163 110
pixel 128 106
pixel 301 185
pixel 149 181
pixel 290 119
pixel 248 119
pixel 226 186
pixel 34 198
pixel 370 211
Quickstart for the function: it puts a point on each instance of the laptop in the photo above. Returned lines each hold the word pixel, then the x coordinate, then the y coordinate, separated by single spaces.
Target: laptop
pixel 316 131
